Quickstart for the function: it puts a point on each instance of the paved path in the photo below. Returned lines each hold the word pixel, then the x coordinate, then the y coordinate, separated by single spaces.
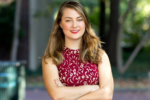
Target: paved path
pixel 37 94
pixel 41 94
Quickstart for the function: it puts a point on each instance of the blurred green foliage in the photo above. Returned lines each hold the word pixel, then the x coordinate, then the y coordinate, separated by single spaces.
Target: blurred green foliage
pixel 136 25
pixel 7 12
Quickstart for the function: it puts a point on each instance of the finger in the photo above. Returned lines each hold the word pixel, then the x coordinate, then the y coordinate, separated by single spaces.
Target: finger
pixel 56 82
pixel 59 82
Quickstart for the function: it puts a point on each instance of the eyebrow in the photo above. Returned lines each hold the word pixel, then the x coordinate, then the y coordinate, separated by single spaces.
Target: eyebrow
pixel 71 18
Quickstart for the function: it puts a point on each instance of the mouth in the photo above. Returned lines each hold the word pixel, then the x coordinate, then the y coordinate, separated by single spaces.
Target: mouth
pixel 74 31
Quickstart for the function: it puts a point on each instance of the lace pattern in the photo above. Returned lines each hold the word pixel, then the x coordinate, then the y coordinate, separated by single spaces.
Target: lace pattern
pixel 72 72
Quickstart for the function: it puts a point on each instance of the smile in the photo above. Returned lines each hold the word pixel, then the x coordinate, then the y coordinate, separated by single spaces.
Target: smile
pixel 74 32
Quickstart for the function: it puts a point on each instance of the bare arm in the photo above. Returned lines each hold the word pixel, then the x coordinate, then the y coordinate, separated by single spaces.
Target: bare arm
pixel 106 82
pixel 50 72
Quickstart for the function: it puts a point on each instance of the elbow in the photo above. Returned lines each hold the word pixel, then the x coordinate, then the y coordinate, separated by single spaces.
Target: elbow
pixel 54 97
pixel 108 94
pixel 57 96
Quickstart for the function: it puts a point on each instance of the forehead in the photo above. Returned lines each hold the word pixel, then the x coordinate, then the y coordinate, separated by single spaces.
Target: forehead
pixel 68 12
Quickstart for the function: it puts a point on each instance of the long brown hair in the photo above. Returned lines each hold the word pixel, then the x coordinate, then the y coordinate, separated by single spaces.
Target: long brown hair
pixel 90 50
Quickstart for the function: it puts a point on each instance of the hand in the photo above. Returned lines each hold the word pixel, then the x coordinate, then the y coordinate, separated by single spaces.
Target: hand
pixel 58 83
pixel 94 87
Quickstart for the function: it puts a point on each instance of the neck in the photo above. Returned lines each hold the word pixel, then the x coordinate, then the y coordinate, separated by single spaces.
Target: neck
pixel 73 44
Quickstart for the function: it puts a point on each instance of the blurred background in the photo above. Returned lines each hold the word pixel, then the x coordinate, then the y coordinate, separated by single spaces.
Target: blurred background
pixel 25 26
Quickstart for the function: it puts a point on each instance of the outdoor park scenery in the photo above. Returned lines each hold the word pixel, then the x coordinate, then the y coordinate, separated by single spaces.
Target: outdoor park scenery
pixel 123 26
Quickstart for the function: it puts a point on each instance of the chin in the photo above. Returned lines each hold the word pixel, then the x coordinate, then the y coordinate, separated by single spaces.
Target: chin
pixel 76 38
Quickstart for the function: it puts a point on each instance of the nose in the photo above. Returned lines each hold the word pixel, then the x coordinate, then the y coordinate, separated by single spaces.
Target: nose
pixel 75 24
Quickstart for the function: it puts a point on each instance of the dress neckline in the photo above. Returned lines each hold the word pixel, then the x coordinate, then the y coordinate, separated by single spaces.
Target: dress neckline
pixel 71 49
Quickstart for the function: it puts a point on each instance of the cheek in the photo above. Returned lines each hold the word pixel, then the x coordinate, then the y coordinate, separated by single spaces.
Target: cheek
pixel 82 26
pixel 66 26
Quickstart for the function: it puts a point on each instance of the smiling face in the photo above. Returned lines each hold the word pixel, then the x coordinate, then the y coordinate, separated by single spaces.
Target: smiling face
pixel 72 24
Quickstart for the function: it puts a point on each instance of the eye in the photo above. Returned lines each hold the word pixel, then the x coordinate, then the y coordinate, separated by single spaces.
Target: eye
pixel 68 20
pixel 80 20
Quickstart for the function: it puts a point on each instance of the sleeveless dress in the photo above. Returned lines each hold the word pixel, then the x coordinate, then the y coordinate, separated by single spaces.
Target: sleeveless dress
pixel 72 72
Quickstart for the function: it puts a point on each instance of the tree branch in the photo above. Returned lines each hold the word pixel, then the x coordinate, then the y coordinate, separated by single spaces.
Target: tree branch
pixel 122 20
pixel 136 50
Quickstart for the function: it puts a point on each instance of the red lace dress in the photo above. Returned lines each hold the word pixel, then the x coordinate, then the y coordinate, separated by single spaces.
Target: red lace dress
pixel 74 73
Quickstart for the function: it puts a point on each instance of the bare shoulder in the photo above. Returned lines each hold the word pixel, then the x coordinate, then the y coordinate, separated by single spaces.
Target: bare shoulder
pixel 47 61
pixel 49 66
pixel 105 60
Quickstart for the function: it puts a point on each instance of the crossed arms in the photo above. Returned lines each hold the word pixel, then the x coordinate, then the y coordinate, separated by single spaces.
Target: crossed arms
pixel 87 92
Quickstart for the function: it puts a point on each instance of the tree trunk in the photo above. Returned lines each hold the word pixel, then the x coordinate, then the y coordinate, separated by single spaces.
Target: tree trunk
pixel 111 38
pixel 122 68
pixel 102 19
pixel 122 20
pixel 15 42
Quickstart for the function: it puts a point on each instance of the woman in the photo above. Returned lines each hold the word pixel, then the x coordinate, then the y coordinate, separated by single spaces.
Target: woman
pixel 74 65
